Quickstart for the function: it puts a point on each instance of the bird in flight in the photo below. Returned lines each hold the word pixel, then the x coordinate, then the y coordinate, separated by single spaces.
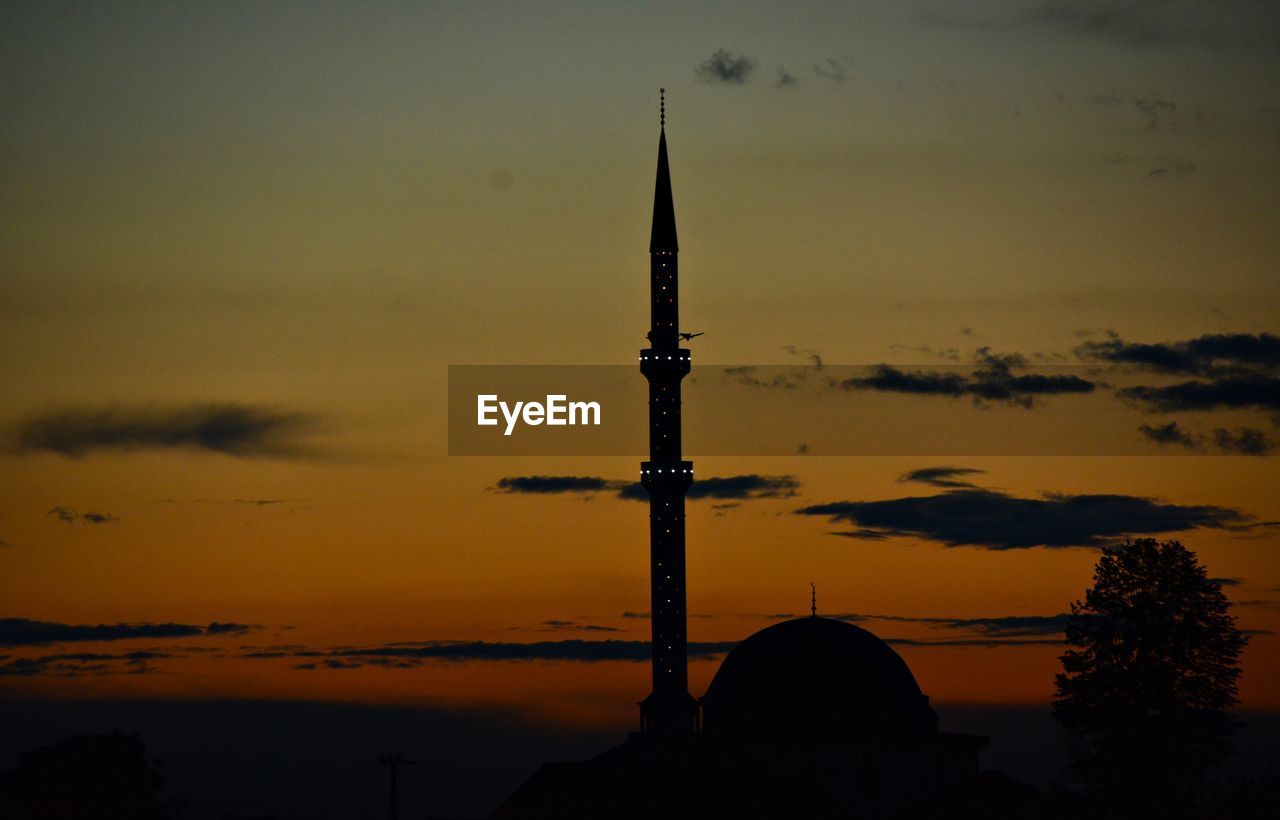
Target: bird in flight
pixel 688 336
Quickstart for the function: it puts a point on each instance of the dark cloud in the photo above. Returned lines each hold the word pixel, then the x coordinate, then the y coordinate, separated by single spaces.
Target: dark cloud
pixel 234 429
pixel 1172 167
pixel 992 381
pixel 1002 626
pixel 1208 355
pixel 1233 371
pixel 1007 626
pixel 219 628
pixel 24 632
pixel 1163 23
pixel 78 664
pixel 726 68
pixel 1243 441
pixel 940 476
pixel 254 502
pixel 5 544
pixel 632 491
pixel 746 374
pixel 411 655
pixel 813 357
pixel 70 516
pixel 555 484
pixel 889 379
pixel 744 487
pixel 835 70
pixel 1106 100
pixel 949 353
pixel 738 487
pixel 575 626
pixel 1258 603
pixel 975 643
pixel 786 79
pixel 1228 582
pixel 998 521
pixel 570 649
pixel 1156 110
pixel 1229 392
pixel 1171 433
pixel 645 615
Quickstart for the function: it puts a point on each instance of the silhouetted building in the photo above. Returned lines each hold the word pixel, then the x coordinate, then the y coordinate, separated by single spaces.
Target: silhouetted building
pixel 669 709
pixel 812 717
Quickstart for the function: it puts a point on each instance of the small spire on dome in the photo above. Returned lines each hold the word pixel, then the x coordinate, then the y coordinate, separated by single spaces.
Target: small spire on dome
pixel 813 599
pixel 662 107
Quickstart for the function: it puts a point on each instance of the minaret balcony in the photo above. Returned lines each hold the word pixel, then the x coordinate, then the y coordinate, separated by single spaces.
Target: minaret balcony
pixel 676 474
pixel 665 365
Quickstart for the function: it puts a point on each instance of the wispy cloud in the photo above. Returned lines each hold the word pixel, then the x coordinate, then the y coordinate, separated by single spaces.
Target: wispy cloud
pixel 738 487
pixel 1162 23
pixel 941 476
pixel 25 632
pixel 557 625
pixel 833 69
pixel 1001 626
pixel 998 521
pixel 409 655
pixel 247 431
pixel 1232 371
pixel 79 664
pixel 1246 441
pixel 726 68
pixel 1171 433
pixel 69 516
pixel 1211 354
pixel 994 380
pixel 557 484
pixel 1227 393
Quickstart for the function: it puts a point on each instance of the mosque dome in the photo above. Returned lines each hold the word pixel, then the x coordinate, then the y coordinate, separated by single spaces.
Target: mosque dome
pixel 816 679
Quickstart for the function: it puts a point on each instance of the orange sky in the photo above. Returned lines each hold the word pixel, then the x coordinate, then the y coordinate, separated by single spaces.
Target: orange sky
pixel 318 213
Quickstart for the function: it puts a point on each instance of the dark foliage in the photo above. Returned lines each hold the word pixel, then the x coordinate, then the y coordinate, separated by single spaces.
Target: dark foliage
pixel 1147 686
pixel 86 777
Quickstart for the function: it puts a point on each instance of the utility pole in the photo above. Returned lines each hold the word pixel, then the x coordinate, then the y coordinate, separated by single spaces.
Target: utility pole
pixel 393 762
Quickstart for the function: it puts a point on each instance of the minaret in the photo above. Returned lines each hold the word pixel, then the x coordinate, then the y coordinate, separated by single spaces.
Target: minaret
pixel 669 709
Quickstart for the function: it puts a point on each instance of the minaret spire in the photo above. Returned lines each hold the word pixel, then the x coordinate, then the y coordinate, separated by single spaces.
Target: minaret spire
pixel 663 235
pixel 669 709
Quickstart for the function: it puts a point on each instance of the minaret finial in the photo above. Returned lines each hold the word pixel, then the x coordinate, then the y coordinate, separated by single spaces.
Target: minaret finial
pixel 813 599
pixel 662 107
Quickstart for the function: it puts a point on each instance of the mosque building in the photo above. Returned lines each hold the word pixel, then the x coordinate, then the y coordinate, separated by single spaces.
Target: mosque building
pixel 808 718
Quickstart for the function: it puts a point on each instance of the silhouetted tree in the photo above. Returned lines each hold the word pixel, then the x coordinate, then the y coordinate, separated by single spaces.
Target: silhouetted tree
pixel 86 777
pixel 1147 686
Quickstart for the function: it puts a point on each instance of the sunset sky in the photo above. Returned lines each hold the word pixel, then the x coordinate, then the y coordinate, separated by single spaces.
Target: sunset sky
pixel 241 243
